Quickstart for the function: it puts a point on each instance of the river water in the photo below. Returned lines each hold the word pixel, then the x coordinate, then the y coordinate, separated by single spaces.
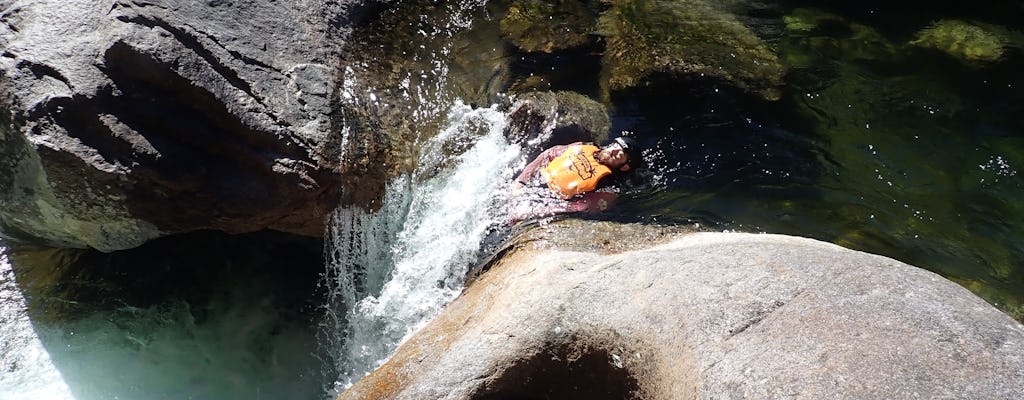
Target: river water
pixel 393 269
pixel 875 144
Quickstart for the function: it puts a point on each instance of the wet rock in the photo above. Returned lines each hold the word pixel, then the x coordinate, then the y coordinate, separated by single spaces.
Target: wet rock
pixel 687 37
pixel 131 119
pixel 548 25
pixel 543 119
pixel 706 315
pixel 968 41
pixel 402 73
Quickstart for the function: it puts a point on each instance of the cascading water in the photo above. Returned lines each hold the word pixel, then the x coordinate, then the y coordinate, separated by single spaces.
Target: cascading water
pixel 392 270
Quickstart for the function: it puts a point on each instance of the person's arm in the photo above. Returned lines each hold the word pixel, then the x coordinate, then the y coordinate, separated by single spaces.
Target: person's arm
pixel 592 202
pixel 541 160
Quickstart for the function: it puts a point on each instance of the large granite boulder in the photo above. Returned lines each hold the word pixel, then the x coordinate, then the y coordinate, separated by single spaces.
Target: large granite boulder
pixel 124 120
pixel 704 315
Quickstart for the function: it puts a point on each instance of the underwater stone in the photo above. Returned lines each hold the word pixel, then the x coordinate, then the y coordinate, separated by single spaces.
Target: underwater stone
pixel 818 33
pixel 548 25
pixel 968 41
pixel 690 37
pixel 809 20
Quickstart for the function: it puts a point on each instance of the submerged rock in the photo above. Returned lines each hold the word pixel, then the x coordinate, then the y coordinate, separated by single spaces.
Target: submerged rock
pixel 548 25
pixel 705 315
pixel 691 37
pixel 818 33
pixel 968 41
pixel 125 120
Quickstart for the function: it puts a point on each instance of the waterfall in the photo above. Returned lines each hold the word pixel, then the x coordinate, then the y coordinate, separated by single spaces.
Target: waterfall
pixel 391 270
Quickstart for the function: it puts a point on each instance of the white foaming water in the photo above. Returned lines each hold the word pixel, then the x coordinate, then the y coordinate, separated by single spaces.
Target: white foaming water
pixel 392 270
pixel 27 371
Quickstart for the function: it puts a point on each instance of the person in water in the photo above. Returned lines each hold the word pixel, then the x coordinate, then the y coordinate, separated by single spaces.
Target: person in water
pixel 567 178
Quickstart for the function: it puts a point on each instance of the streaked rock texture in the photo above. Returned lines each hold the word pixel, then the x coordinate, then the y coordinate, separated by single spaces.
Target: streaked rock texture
pixel 704 315
pixel 124 120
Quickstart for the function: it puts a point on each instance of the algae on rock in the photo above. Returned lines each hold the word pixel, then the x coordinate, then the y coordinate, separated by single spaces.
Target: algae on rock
pixel 830 35
pixel 968 41
pixel 647 37
pixel 548 25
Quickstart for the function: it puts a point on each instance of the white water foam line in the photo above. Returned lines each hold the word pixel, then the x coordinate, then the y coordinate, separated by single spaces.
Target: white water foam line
pixel 392 271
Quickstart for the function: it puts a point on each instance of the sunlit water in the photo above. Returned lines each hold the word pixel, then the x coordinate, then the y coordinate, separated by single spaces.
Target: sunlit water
pixel 392 270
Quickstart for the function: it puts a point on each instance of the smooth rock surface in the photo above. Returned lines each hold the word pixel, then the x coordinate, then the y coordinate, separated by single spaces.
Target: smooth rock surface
pixel 705 315
pixel 124 120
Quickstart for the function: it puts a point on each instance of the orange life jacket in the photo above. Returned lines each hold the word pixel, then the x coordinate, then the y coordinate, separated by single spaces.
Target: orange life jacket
pixel 575 171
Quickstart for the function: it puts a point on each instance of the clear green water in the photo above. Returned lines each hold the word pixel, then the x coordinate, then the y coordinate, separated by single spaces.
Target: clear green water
pixel 876 145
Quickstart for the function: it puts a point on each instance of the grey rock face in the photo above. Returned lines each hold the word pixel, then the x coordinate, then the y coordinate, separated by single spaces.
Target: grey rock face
pixel 124 120
pixel 706 315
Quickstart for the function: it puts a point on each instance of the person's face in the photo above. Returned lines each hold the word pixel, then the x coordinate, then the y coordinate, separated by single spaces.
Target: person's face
pixel 614 157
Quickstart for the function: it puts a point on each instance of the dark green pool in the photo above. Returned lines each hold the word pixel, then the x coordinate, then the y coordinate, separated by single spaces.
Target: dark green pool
pixel 877 144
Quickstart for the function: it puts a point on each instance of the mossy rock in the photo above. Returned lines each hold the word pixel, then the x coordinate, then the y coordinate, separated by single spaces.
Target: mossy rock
pixel 693 37
pixel 810 20
pixel 830 35
pixel 968 41
pixel 548 25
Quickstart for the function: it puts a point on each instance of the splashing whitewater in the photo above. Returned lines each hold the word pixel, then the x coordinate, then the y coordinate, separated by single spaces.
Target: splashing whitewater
pixel 392 270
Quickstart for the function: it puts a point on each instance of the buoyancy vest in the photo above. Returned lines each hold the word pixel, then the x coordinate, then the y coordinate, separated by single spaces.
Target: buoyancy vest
pixel 575 171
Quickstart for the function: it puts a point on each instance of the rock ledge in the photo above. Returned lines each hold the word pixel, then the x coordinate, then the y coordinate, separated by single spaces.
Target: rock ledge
pixel 707 315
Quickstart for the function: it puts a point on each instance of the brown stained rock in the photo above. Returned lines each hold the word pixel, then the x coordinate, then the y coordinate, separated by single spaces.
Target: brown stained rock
pixel 706 315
